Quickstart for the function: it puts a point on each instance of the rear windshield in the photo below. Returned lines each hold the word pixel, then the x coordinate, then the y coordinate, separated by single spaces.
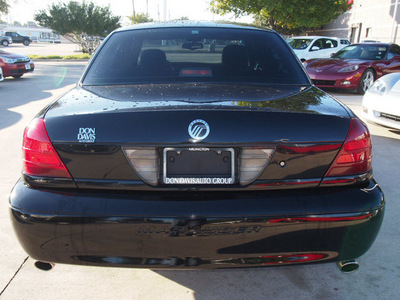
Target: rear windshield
pixel 194 54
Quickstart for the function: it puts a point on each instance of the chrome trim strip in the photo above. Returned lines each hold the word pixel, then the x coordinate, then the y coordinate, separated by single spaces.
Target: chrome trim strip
pixel 288 182
pixel 346 180
pixel 49 182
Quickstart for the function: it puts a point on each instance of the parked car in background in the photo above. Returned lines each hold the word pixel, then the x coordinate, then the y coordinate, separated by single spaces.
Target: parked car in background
pixel 5 40
pixel 381 103
pixel 1 74
pixel 242 163
pixel 17 38
pixel 15 65
pixel 307 47
pixel 355 67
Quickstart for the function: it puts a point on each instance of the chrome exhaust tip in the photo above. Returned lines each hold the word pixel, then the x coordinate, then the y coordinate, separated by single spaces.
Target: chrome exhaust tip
pixel 347 266
pixel 44 266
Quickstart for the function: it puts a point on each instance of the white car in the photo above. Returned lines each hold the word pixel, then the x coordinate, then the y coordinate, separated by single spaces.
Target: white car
pixel 308 47
pixel 1 74
pixel 381 103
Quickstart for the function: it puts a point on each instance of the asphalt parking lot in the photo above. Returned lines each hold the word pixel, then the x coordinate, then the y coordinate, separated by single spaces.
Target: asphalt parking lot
pixel 377 278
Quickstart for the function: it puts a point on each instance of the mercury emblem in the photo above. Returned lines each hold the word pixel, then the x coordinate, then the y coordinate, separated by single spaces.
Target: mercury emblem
pixel 199 130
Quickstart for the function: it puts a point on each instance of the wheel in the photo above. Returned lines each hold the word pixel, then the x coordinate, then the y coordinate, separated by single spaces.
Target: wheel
pixel 26 43
pixel 4 43
pixel 367 79
pixel 17 76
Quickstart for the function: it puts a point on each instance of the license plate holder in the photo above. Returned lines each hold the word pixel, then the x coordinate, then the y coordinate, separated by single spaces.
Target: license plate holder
pixel 199 166
pixel 27 66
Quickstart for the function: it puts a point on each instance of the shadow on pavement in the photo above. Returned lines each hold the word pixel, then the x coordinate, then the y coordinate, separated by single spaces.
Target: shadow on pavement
pixel 39 85
pixel 395 131
pixel 253 283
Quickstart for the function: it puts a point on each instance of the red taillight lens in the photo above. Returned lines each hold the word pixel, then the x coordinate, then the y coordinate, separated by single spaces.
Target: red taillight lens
pixel 39 156
pixel 356 154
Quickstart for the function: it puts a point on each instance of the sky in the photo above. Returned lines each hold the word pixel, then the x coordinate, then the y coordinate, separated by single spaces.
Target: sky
pixel 23 10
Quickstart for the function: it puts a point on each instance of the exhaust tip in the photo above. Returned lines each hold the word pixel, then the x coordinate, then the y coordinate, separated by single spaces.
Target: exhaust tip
pixel 347 266
pixel 44 266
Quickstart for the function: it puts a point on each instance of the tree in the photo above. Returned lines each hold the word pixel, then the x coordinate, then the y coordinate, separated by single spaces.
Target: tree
pixel 84 21
pixel 283 15
pixel 140 18
pixel 3 6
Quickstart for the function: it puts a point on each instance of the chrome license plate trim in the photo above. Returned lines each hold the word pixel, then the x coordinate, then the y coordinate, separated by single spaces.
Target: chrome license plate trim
pixel 198 180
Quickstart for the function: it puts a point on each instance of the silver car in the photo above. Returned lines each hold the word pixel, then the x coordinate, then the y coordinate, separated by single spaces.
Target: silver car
pixel 5 40
pixel 381 103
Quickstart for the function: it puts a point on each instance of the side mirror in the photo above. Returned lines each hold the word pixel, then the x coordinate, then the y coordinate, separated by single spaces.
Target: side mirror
pixel 332 55
pixel 315 48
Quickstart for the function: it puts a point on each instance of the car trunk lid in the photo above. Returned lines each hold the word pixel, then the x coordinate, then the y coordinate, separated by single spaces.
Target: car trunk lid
pixel 299 130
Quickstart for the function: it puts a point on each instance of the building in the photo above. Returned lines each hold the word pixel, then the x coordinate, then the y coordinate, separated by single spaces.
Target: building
pixel 367 20
pixel 37 34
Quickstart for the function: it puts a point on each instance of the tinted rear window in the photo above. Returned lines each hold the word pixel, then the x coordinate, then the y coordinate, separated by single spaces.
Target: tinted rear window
pixel 194 54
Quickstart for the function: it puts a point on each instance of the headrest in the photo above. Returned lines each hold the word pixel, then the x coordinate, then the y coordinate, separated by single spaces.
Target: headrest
pixel 235 56
pixel 153 57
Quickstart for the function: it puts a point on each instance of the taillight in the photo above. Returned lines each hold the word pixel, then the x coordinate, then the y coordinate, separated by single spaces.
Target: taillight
pixel 355 156
pixel 39 156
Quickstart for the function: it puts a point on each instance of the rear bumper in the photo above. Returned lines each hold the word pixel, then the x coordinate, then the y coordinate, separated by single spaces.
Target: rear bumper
pixel 197 230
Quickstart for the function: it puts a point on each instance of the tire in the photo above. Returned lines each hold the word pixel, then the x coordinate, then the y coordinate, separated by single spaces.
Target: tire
pixel 17 76
pixel 4 43
pixel 26 43
pixel 367 79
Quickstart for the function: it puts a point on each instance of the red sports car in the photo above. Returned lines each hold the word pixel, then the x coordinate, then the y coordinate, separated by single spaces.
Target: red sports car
pixel 14 64
pixel 355 67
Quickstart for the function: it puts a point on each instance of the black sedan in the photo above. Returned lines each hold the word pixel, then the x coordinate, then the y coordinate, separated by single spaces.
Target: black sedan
pixel 169 155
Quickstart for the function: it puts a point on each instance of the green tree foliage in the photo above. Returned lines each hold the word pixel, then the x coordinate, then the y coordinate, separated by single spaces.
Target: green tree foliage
pixel 84 21
pixel 284 15
pixel 3 6
pixel 140 18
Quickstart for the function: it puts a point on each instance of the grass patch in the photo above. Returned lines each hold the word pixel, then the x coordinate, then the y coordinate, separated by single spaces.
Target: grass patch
pixel 74 56
pixel 78 56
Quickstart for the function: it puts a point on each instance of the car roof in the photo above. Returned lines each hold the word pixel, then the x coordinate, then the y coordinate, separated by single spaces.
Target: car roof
pixel 183 24
pixel 375 44
pixel 316 37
